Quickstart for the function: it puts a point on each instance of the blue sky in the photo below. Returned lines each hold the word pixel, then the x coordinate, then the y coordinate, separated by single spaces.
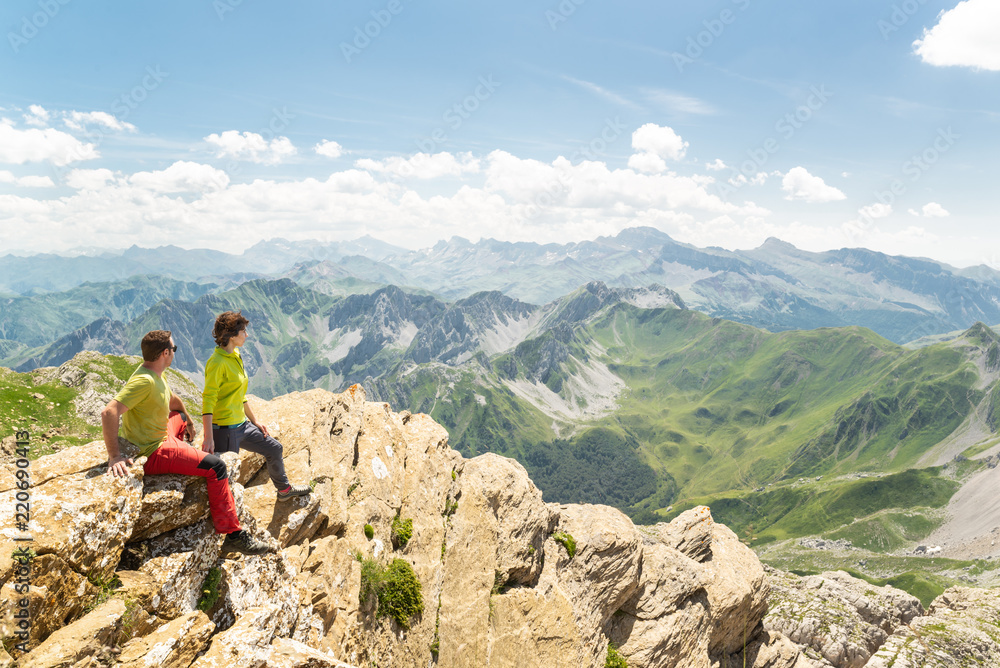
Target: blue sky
pixel 218 123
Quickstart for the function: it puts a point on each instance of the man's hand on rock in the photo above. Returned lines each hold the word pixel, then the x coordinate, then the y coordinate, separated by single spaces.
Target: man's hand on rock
pixel 118 466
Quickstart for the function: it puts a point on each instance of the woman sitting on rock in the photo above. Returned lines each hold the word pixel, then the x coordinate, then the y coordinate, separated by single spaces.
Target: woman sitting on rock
pixel 228 421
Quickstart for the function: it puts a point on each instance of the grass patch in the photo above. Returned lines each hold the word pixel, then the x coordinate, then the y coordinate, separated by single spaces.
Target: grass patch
pixel 106 586
pixel 614 659
pixel 402 532
pixel 396 588
pixel 210 590
pixel 566 541
pixel 887 531
pixel 921 585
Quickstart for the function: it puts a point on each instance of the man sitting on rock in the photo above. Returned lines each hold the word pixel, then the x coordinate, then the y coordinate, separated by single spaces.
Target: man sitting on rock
pixel 156 421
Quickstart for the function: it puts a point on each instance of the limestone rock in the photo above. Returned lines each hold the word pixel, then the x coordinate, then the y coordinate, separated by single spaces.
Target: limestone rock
pixel 737 592
pixel 291 521
pixel 86 637
pixel 318 431
pixel 139 587
pixel 960 629
pixel 179 561
pixel 93 455
pixel 287 653
pixel 84 517
pixel 172 645
pixel 171 501
pixel 667 620
pixel 57 596
pixel 254 582
pixel 520 520
pixel 690 533
pixel 330 581
pixel 245 643
pixel 607 551
pixel 499 590
pixel 769 650
pixel 842 618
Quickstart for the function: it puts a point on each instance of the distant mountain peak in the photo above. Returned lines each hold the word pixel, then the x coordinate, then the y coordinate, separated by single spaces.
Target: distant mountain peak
pixel 639 238
pixel 981 335
pixel 774 243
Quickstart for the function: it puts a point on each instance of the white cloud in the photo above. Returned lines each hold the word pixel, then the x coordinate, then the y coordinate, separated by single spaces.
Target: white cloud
pixel 78 119
pixel 659 140
pixel 563 187
pixel 758 179
pixel 930 210
pixel 35 182
pixel 182 176
pixel 935 210
pixel 803 186
pixel 647 162
pixel 252 147
pixel 89 179
pixel 423 165
pixel 37 116
pixel 877 210
pixel 330 149
pixel 716 166
pixel 507 197
pixel 36 145
pixel 965 36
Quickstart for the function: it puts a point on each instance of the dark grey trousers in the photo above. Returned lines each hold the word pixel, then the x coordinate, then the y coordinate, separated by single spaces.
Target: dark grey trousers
pixel 249 437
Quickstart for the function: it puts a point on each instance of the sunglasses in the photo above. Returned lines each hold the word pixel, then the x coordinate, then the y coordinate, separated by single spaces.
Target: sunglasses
pixel 172 349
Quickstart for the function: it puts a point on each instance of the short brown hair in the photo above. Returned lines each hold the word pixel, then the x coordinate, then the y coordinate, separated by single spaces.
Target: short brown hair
pixel 228 325
pixel 154 343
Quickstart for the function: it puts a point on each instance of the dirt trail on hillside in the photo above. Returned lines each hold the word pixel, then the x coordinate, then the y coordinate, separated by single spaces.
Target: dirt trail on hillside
pixel 972 529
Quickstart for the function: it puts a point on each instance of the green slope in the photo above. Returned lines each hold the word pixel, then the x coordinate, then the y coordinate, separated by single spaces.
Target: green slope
pixel 711 406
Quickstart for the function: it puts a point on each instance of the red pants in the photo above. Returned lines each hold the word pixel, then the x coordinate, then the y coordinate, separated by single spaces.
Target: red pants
pixel 176 456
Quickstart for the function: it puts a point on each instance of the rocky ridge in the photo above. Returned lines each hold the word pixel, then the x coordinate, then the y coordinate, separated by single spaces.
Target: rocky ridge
pixel 506 579
pixel 120 566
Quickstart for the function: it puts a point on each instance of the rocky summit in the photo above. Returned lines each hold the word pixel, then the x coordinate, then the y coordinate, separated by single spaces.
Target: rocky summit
pixel 408 554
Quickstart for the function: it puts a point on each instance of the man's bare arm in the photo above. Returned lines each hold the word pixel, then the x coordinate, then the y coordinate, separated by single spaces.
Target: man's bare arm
pixel 117 464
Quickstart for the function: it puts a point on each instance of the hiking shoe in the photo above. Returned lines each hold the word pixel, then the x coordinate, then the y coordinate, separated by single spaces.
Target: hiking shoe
pixel 244 543
pixel 294 490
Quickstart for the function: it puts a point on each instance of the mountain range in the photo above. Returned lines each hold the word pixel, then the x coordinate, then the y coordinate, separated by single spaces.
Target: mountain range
pixel 775 287
pixel 639 397
pixel 616 395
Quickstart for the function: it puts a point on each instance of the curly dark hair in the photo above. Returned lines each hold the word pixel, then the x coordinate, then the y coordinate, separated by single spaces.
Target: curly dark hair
pixel 228 325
